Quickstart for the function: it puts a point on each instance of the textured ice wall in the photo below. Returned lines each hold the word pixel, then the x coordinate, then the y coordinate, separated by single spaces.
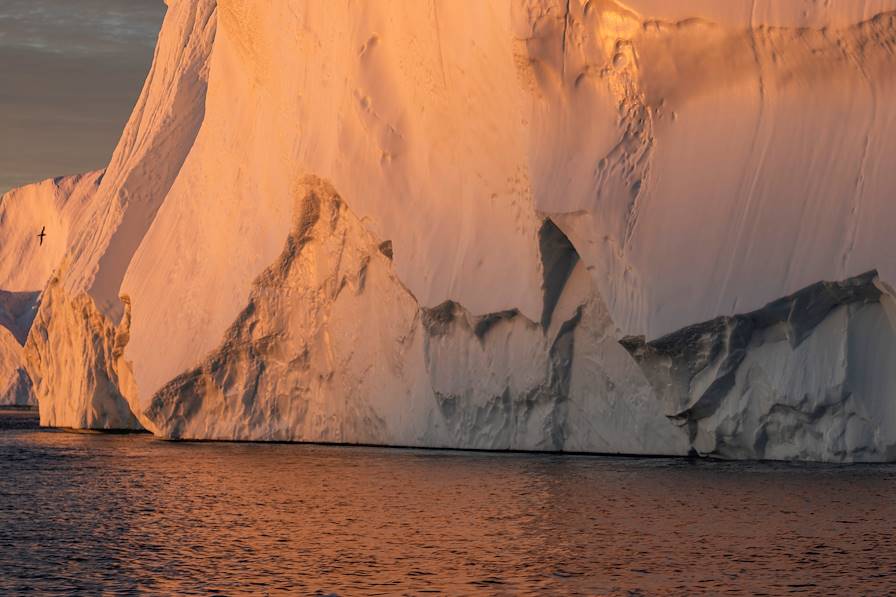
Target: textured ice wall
pixel 26 264
pixel 16 310
pixel 74 348
pixel 809 376
pixel 699 168
pixel 699 159
pixel 333 347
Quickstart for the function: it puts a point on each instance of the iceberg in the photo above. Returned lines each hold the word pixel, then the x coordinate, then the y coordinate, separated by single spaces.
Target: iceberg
pixel 560 225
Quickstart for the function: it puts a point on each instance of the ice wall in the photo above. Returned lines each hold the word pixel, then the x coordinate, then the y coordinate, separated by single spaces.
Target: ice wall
pixel 333 347
pixel 74 353
pixel 698 159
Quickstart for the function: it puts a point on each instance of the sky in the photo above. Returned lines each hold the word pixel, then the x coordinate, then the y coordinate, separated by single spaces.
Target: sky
pixel 70 73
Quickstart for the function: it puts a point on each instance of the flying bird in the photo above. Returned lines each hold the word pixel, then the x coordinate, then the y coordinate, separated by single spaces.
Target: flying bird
pixel 42 234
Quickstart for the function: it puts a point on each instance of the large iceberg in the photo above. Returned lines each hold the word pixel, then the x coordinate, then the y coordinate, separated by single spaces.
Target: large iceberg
pixel 482 225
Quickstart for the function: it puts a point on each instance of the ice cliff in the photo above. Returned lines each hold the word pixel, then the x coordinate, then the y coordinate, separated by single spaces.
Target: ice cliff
pixel 333 347
pixel 807 376
pixel 431 223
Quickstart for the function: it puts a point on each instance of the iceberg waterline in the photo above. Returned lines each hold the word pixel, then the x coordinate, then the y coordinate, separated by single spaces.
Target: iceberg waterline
pixel 431 224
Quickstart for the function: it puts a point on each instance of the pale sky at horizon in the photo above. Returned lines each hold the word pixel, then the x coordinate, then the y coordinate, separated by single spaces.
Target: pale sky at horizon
pixel 70 72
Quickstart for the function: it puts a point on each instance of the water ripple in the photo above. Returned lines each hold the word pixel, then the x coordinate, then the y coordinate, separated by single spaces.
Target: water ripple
pixel 129 514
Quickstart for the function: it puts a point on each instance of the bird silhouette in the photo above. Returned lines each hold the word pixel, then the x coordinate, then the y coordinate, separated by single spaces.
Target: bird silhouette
pixel 42 234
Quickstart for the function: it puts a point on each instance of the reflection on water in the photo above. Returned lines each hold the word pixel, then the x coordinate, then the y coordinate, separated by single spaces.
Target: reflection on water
pixel 131 513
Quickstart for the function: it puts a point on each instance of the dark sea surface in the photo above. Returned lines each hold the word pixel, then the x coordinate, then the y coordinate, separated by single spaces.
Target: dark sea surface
pixel 123 514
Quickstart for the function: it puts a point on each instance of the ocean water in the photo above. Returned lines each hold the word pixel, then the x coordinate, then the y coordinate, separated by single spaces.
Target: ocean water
pixel 129 514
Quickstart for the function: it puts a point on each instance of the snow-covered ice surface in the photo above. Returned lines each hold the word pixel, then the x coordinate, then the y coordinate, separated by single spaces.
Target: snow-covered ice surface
pixel 520 185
